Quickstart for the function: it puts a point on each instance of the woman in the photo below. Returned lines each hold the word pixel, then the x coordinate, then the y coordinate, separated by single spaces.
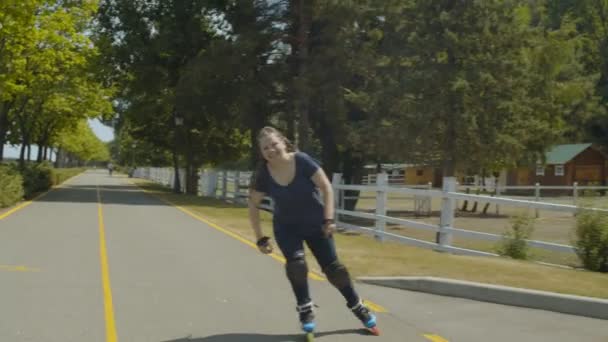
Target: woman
pixel 293 180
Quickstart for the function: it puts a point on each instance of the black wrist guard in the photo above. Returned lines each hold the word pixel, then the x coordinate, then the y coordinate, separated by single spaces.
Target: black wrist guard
pixel 263 241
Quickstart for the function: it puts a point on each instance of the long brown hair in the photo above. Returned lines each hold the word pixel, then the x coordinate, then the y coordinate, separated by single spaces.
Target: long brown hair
pixel 268 130
pixel 261 161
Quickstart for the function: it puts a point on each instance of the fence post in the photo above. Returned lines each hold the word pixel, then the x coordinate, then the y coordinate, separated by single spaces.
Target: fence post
pixel 202 178
pixel 575 192
pixel 537 198
pixel 336 180
pixel 444 237
pixel 381 182
pixel 212 183
pixel 497 195
pixel 182 176
pixel 224 184
pixel 430 212
pixel 237 186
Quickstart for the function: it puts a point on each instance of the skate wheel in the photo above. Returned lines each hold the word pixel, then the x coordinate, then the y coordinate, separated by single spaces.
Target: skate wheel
pixel 374 331
pixel 310 337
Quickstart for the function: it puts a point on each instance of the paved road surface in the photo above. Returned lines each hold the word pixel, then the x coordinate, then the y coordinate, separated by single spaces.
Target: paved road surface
pixel 136 269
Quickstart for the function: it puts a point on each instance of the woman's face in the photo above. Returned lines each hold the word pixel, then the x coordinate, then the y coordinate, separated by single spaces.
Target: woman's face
pixel 272 147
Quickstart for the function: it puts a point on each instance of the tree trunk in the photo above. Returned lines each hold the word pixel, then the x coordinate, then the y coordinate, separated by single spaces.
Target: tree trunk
pixel 176 180
pixel 291 127
pixel 25 139
pixel 60 158
pixel 57 162
pixel 4 109
pixel 177 185
pixel 302 19
pixel 191 174
pixel 352 173
pixel 2 143
pixel 40 152
pixel 329 148
pixel 22 155
pixel 255 125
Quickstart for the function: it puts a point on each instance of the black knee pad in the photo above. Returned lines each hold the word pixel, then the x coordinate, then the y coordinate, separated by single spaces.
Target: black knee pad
pixel 337 274
pixel 297 270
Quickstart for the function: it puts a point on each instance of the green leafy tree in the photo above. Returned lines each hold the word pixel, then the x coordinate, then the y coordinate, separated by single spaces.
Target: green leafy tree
pixel 17 19
pixel 590 20
pixel 150 48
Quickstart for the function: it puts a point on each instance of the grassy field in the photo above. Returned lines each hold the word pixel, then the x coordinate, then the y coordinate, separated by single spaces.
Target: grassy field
pixel 367 257
pixel 551 226
pixel 61 175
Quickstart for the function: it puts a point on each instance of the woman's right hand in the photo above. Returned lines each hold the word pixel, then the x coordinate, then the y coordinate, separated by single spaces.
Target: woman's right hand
pixel 264 245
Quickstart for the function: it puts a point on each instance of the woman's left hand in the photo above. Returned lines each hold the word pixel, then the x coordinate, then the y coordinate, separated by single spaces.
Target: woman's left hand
pixel 328 229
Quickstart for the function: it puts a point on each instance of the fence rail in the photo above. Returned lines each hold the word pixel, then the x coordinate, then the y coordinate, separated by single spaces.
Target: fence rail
pixel 232 185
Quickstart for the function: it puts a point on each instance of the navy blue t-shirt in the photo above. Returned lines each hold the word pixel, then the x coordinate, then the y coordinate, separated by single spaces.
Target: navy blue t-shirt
pixel 299 201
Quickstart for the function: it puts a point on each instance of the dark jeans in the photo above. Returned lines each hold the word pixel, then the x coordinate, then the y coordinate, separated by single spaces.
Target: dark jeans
pixel 291 239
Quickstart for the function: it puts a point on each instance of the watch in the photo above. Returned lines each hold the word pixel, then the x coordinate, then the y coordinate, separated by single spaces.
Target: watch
pixel 330 221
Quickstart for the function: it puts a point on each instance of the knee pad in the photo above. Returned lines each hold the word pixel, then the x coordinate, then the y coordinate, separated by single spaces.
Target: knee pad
pixel 297 270
pixel 337 275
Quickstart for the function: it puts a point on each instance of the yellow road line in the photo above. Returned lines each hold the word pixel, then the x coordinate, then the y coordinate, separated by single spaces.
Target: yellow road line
pixel 435 338
pixel 105 277
pixel 21 206
pixel 26 203
pixel 18 268
pixel 373 306
pixel 313 275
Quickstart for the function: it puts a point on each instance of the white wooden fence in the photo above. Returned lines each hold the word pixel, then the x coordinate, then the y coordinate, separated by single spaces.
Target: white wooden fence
pixel 445 228
pixel 232 186
pixel 162 175
pixel 499 190
pixel 392 179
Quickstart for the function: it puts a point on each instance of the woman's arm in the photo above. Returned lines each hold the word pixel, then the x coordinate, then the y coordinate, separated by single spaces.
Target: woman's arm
pixel 322 182
pixel 255 198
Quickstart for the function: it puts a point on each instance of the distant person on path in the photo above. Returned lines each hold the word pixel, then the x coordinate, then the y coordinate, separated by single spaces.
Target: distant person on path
pixel 110 168
pixel 293 180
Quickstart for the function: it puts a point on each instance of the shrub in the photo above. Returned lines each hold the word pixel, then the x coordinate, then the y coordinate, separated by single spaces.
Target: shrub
pixel 37 178
pixel 11 186
pixel 592 240
pixel 514 239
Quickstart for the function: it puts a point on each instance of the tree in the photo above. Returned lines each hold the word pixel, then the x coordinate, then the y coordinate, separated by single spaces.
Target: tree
pixel 50 84
pixel 463 82
pixel 147 46
pixel 81 143
pixel 17 20
pixel 590 20
pixel 256 60
pixel 210 63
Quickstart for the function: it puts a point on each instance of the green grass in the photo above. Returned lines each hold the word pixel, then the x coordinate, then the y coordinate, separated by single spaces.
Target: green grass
pixel 365 256
pixel 61 175
pixel 551 226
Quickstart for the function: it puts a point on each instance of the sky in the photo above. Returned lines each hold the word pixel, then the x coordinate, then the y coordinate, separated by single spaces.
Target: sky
pixel 103 132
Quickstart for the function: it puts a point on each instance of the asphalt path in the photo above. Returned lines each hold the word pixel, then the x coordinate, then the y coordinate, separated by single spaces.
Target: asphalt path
pixel 98 259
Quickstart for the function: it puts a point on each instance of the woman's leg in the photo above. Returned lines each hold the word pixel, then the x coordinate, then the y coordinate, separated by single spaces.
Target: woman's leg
pixel 324 250
pixel 292 247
